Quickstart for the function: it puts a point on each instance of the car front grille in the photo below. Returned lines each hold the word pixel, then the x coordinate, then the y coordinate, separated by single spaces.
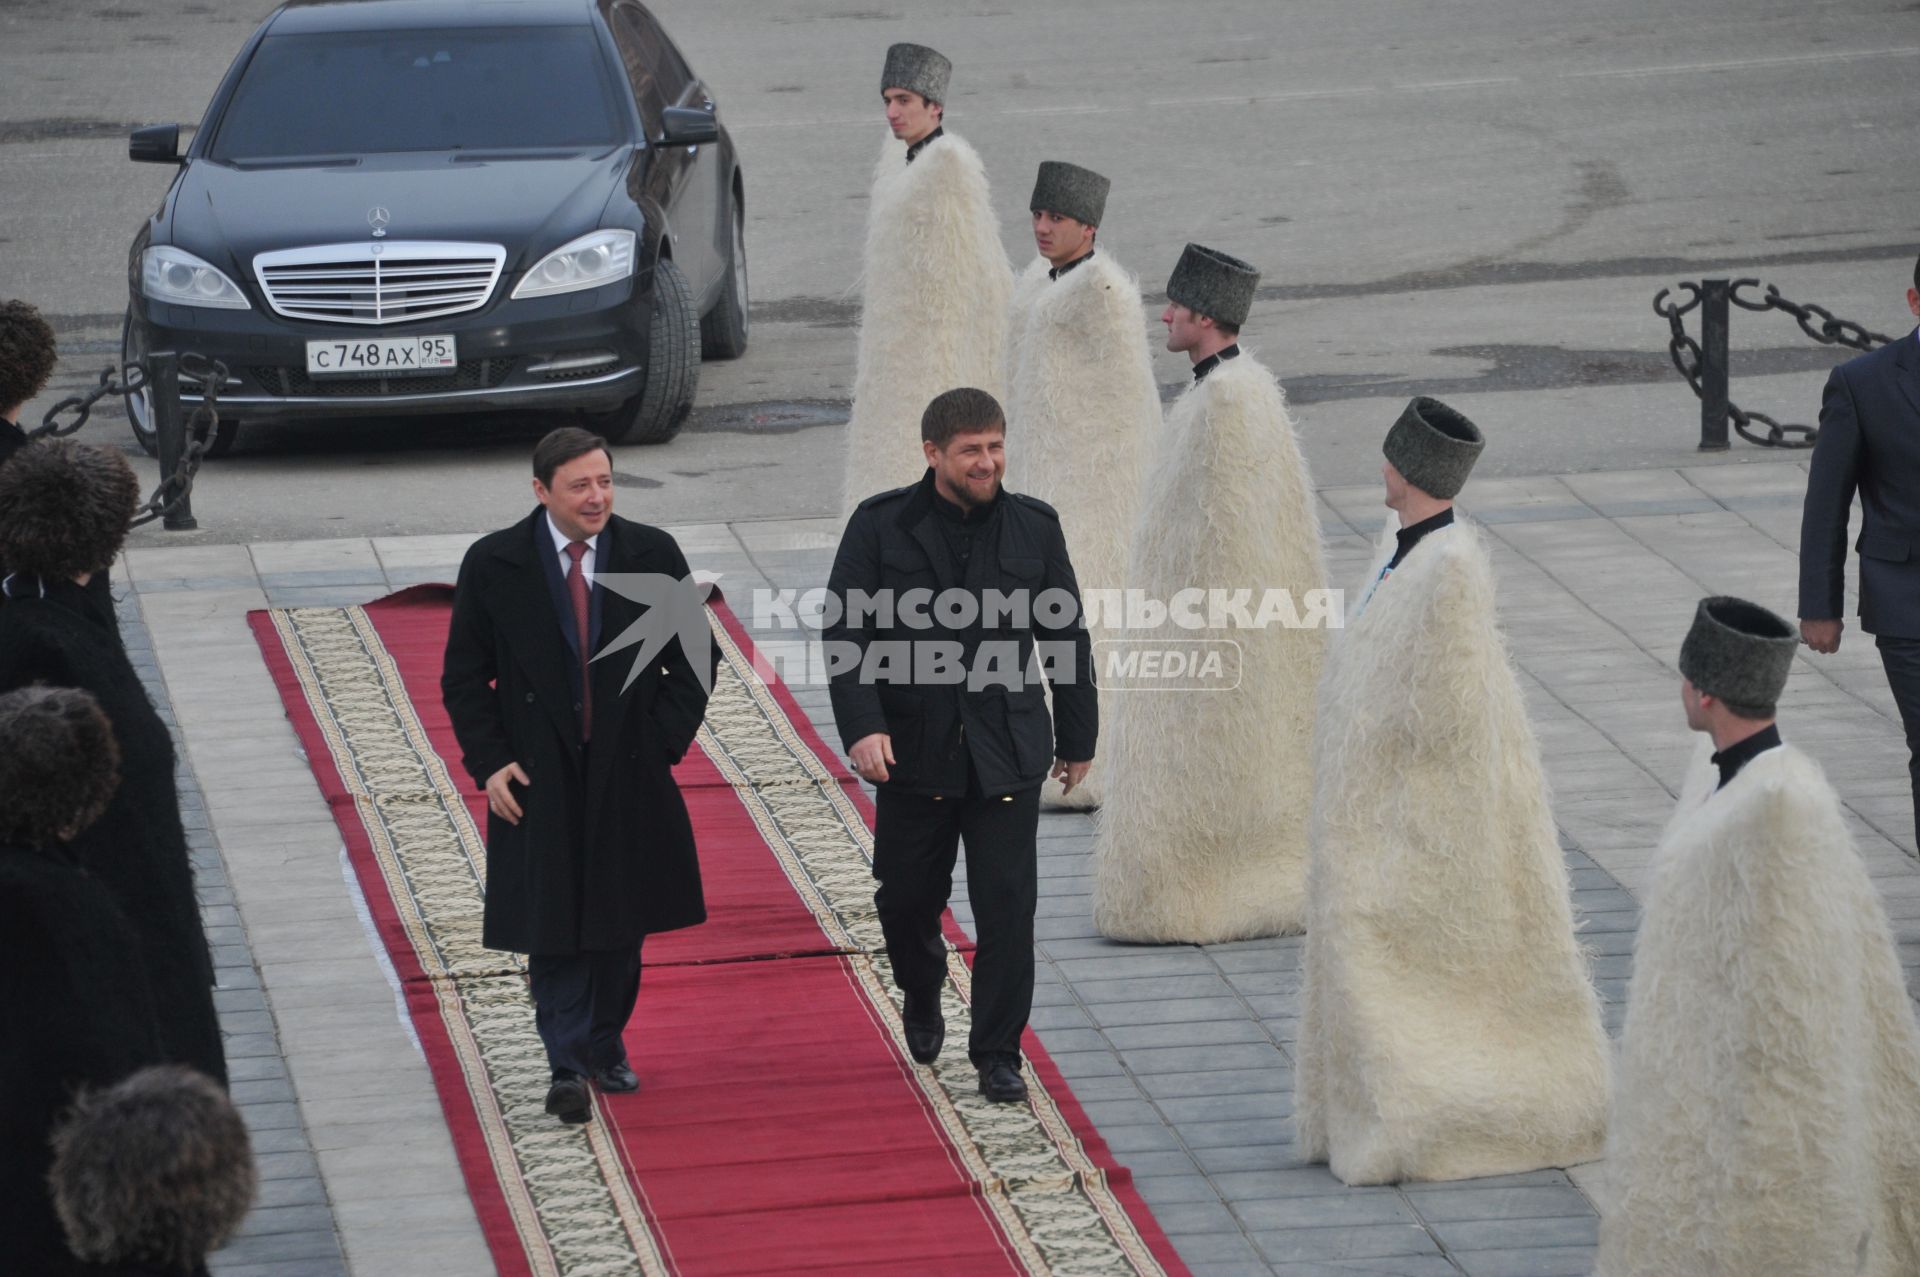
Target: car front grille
pixel 379 282
pixel 472 374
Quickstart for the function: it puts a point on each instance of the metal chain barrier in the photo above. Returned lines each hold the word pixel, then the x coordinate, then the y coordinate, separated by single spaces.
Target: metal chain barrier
pixel 1816 322
pixel 1831 332
pixel 176 487
pixel 51 427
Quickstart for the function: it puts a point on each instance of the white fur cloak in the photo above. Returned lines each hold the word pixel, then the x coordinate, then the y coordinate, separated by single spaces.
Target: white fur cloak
pixel 933 309
pixel 1081 406
pixel 1448 1025
pixel 1767 1118
pixel 1203 836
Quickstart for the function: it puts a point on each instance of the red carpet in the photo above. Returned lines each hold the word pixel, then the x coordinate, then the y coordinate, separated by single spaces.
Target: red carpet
pixel 780 1127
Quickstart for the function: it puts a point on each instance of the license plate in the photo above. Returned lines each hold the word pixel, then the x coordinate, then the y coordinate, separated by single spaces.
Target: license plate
pixel 385 356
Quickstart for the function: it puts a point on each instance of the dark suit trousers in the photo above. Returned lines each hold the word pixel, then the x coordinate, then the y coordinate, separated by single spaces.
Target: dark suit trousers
pixel 1901 656
pixel 581 1004
pixel 916 841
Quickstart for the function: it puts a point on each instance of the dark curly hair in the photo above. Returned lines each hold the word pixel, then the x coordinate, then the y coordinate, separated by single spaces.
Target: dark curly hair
pixel 59 764
pixel 65 508
pixel 155 1170
pixel 27 354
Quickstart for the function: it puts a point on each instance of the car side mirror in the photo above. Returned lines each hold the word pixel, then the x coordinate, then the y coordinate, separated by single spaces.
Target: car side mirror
pixel 155 144
pixel 688 126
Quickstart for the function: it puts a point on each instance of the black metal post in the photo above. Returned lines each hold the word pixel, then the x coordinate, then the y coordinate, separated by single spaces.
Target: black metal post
pixel 1713 365
pixel 169 430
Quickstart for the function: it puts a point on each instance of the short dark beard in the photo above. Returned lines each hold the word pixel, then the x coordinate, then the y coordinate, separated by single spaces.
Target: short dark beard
pixel 963 498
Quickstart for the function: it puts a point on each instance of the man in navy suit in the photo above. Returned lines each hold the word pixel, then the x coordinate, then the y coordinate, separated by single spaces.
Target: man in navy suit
pixel 589 845
pixel 1870 442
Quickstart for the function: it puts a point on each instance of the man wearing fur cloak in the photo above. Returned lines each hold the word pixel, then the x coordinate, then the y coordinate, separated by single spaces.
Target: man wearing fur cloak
pixel 1767 1118
pixel 936 278
pixel 1082 399
pixel 1202 837
pixel 1448 1026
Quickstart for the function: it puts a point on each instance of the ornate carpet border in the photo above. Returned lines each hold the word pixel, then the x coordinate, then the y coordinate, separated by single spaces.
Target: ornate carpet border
pixel 1054 1200
pixel 570 1202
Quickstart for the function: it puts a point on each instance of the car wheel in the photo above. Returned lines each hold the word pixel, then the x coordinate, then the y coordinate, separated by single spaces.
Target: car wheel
pixel 723 330
pixel 656 414
pixel 133 350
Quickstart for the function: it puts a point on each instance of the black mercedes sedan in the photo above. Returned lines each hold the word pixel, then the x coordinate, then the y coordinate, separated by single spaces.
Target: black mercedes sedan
pixel 439 206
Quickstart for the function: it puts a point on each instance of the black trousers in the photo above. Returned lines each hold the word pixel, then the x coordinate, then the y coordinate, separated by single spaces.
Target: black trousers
pixel 916 841
pixel 581 1004
pixel 1901 656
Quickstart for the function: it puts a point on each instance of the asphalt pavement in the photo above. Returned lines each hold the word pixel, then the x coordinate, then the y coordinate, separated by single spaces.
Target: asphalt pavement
pixel 1476 200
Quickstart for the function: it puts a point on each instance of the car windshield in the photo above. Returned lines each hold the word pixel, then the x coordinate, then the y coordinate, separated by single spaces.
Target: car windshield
pixel 369 92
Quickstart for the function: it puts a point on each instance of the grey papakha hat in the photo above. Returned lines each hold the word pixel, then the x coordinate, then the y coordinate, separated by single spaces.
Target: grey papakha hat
pixel 1208 282
pixel 1739 652
pixel 1433 447
pixel 917 69
pixel 1070 191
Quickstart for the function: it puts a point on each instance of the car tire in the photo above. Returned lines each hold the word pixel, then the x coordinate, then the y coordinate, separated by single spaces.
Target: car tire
pixel 140 405
pixel 723 330
pixel 656 414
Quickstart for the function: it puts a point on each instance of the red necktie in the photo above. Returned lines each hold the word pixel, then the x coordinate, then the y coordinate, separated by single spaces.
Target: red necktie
pixel 577 590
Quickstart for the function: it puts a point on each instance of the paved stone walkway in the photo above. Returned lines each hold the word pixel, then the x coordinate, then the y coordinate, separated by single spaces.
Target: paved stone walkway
pixel 1180 1053
pixel 290 1232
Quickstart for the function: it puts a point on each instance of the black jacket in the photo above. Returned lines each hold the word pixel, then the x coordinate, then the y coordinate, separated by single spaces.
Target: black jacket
pixel 894 543
pixel 604 852
pixel 138 847
pixel 74 1012
pixel 1869 440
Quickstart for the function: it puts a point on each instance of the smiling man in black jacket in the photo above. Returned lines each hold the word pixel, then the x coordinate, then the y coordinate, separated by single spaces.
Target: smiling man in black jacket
pixel 956 599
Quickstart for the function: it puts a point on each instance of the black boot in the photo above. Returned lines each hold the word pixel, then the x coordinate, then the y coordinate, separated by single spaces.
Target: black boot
pixel 1000 1080
pixel 567 1098
pixel 926 1028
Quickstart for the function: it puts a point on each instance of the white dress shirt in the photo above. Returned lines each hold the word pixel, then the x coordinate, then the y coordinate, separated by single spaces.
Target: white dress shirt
pixel 560 543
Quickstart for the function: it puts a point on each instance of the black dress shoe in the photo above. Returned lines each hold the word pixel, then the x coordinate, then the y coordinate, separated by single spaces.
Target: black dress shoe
pixel 616 1079
pixel 567 1098
pixel 926 1028
pixel 1000 1081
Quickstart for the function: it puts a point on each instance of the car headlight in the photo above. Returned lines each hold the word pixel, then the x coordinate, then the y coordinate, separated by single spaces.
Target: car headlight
pixel 587 262
pixel 177 276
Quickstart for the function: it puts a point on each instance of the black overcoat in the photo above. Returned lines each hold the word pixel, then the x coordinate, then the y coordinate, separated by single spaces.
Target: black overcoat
pixel 1869 441
pixel 604 851
pixel 138 848
pixel 74 1012
pixel 894 544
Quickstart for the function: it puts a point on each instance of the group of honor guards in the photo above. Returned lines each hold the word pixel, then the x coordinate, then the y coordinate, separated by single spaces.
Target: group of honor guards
pixel 1764 1112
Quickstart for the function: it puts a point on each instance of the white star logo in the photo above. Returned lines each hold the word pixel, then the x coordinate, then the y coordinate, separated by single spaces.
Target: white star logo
pixel 676 608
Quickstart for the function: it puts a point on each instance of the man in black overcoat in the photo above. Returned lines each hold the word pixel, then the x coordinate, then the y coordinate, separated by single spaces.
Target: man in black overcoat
pixel 64 514
pixel 76 1010
pixel 1870 442
pixel 956 599
pixel 589 846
